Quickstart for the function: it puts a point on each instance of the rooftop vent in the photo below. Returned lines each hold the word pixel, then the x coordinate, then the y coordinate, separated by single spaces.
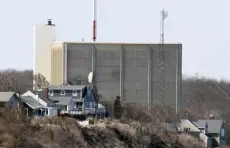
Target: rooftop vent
pixel 49 22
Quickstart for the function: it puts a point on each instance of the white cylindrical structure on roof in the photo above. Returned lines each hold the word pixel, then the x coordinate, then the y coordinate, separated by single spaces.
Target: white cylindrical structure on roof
pixel 44 36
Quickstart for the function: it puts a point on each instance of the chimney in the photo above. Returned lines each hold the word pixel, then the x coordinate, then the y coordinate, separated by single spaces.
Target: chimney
pixel 49 22
pixel 46 93
pixel 18 94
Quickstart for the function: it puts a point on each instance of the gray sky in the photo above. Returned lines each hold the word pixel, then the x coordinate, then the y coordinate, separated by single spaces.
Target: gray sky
pixel 202 26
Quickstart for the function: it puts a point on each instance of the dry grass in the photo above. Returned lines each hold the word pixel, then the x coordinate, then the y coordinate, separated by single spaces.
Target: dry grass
pixel 17 131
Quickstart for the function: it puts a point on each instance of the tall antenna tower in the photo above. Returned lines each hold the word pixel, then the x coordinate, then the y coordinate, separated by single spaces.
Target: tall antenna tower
pixel 94 20
pixel 161 62
pixel 94 37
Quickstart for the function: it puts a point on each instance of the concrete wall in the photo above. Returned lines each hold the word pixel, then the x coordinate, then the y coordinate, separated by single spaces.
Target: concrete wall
pixel 79 60
pixel 107 69
pixel 44 36
pixel 136 73
pixel 173 73
pixel 128 70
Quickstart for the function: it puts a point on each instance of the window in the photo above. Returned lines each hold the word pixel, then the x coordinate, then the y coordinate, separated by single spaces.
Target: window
pixel 63 107
pixel 46 111
pixel 74 93
pixel 187 129
pixel 58 106
pixel 62 92
pixel 222 132
pixel 50 93
pixel 77 93
pixel 79 106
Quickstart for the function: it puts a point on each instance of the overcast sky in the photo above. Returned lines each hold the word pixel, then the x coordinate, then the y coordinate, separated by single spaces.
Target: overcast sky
pixel 202 26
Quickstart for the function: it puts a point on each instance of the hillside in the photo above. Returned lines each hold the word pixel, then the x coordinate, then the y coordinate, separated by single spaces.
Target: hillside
pixel 18 131
pixel 200 98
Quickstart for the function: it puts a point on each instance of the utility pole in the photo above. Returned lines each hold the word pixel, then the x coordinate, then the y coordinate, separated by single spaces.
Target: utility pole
pixel 161 62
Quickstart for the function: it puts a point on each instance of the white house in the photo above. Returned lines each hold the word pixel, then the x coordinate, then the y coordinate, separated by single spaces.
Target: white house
pixel 40 106
pixel 210 132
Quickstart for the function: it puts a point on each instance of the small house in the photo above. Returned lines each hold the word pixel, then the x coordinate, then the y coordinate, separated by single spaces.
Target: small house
pixel 210 132
pixel 34 108
pixel 9 99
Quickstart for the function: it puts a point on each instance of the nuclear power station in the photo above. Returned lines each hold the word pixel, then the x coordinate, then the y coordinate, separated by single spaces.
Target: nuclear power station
pixel 129 70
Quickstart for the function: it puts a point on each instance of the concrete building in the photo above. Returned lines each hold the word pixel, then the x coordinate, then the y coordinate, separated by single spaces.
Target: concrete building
pixel 44 36
pixel 128 70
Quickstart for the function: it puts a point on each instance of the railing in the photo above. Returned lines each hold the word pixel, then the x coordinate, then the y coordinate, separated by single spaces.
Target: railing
pixel 72 112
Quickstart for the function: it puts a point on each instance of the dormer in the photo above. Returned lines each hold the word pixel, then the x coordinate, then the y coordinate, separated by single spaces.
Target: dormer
pixel 50 93
pixel 62 92
pixel 77 93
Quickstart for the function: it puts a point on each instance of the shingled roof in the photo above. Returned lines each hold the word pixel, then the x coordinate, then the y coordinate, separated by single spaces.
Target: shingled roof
pixel 214 126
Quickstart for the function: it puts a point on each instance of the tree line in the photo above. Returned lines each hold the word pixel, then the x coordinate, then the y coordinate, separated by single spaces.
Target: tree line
pixel 200 95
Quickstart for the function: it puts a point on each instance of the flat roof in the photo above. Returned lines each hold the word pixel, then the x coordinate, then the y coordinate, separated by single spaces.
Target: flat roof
pixel 134 43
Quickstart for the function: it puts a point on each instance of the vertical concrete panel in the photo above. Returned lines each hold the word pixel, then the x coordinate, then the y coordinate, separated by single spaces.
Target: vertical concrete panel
pixel 150 59
pixel 108 70
pixel 171 74
pixel 79 60
pixel 136 73
pixel 179 78
pixel 172 58
pixel 122 72
pixel 155 73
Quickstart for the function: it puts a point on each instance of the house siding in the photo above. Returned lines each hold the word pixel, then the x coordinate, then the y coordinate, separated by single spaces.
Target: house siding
pixel 204 139
pixel 13 101
pixel 188 124
pixel 89 101
pixel 222 139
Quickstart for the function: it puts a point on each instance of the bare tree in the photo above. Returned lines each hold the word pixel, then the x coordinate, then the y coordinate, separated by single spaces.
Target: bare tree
pixel 40 81
pixel 13 80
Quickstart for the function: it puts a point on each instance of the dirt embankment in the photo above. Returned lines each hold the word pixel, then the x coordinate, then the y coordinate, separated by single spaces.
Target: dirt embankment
pixel 17 131
pixel 100 135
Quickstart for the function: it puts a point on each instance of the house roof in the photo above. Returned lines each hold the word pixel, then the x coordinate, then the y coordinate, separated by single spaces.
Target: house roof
pixel 31 102
pixel 5 96
pixel 42 95
pixel 80 42
pixel 100 105
pixel 199 124
pixel 214 126
pixel 68 87
pixel 61 100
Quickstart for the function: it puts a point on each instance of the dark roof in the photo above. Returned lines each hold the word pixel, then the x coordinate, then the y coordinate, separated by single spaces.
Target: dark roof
pixel 199 124
pixel 43 95
pixel 214 126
